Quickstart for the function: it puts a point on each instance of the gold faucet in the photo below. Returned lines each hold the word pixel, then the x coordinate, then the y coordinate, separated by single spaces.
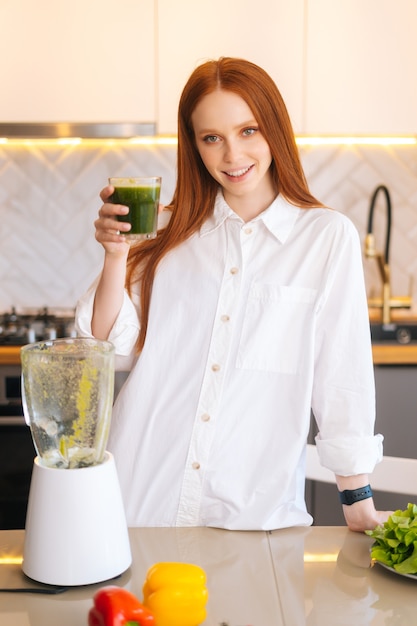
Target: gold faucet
pixel 386 302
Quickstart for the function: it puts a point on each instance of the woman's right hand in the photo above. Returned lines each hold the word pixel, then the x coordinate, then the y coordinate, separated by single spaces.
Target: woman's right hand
pixel 109 231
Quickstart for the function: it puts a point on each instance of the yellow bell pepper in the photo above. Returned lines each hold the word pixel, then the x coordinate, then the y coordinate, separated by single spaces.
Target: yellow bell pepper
pixel 176 594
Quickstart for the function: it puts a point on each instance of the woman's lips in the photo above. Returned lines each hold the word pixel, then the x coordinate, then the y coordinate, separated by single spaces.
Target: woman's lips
pixel 237 175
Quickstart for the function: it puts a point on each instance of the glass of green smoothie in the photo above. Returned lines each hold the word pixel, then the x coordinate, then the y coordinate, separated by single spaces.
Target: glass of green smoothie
pixel 141 195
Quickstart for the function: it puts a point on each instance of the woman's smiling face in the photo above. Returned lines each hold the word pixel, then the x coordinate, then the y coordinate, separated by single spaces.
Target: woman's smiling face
pixel 233 149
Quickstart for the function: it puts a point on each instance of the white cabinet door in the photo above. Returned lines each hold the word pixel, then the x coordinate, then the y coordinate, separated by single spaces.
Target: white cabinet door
pixel 266 32
pixel 77 61
pixel 360 67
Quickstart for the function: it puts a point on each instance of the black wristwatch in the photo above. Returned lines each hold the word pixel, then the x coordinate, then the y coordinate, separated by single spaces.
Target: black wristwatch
pixel 350 496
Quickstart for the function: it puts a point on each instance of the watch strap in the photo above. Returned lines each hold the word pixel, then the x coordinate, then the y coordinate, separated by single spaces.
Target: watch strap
pixel 350 496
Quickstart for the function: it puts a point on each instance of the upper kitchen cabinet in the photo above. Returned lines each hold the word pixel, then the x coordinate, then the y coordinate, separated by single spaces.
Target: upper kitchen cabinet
pixel 360 67
pixel 77 61
pixel 269 33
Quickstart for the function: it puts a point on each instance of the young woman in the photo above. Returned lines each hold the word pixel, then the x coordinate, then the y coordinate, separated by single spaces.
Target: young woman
pixel 244 314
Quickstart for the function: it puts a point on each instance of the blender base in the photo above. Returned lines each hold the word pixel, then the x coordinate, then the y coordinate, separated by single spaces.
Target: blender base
pixel 76 531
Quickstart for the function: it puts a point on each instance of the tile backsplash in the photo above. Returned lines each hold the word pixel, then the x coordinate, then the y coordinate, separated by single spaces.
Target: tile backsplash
pixel 49 201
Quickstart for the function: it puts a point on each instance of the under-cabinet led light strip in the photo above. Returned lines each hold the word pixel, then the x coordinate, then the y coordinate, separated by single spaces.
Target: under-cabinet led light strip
pixel 353 141
pixel 171 140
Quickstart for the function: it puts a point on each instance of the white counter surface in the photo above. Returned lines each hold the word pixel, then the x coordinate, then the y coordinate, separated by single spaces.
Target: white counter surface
pixel 319 576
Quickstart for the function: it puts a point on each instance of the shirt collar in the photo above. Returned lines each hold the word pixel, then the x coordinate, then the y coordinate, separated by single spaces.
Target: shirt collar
pixel 220 213
pixel 279 218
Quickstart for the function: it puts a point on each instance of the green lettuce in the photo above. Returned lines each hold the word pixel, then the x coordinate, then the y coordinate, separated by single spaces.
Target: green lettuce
pixel 396 541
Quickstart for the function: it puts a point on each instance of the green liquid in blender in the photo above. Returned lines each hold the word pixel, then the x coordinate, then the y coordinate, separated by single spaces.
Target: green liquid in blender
pixel 143 207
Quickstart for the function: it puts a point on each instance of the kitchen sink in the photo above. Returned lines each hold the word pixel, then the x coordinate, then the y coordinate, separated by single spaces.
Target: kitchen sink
pixel 403 333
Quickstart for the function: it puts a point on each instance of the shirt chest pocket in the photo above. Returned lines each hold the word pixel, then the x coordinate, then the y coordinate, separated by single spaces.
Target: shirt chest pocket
pixel 276 328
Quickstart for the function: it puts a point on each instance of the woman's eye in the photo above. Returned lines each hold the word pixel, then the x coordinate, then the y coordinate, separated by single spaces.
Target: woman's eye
pixel 249 131
pixel 210 139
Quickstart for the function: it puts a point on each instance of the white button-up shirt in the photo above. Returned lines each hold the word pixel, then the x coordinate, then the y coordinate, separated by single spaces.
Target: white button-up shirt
pixel 251 326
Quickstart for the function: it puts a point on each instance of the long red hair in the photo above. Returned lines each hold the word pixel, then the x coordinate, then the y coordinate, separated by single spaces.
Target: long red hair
pixel 196 190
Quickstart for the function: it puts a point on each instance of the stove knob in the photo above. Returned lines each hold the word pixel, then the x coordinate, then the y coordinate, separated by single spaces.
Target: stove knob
pixel 70 330
pixel 50 333
pixel 31 335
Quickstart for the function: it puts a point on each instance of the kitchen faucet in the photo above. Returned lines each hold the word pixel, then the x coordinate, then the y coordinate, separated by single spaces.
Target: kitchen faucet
pixel 386 302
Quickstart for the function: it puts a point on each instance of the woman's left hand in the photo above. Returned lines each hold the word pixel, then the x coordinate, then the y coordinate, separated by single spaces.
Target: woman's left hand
pixel 363 516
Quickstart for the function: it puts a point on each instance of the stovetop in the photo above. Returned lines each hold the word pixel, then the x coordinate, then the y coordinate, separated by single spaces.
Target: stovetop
pixel 21 326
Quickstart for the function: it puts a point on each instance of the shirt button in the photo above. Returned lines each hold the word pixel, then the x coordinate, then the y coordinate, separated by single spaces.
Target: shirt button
pixel 215 367
pixel 195 465
pixel 205 417
pixel 247 231
pixel 225 318
pixel 234 270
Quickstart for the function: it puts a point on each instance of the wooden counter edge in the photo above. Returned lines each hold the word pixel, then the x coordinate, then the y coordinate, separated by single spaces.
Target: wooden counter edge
pixel 383 354
pixel 10 355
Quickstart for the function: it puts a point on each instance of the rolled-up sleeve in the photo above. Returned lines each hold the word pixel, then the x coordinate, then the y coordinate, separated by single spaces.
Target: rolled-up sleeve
pixel 125 330
pixel 356 455
pixel 344 387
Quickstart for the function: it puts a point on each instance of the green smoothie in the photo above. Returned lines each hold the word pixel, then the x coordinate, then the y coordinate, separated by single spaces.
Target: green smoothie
pixel 143 202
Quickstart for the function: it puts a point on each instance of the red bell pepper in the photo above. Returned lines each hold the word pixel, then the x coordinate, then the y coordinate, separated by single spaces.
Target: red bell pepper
pixel 114 606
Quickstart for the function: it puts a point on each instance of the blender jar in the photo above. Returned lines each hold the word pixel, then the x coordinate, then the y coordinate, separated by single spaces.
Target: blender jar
pixel 67 393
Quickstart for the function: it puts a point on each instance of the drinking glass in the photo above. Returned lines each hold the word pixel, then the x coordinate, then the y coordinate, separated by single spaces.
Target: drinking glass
pixel 141 194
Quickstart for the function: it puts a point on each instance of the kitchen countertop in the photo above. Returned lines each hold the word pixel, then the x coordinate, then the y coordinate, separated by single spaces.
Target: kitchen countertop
pixel 314 576
pixel 382 354
pixel 394 353
pixel 10 355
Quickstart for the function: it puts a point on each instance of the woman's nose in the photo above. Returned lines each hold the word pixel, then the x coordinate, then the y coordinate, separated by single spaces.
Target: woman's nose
pixel 231 150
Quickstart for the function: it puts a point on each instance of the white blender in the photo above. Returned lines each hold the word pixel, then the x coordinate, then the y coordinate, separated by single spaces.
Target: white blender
pixel 76 531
